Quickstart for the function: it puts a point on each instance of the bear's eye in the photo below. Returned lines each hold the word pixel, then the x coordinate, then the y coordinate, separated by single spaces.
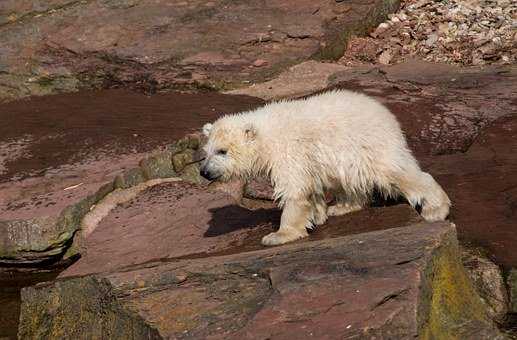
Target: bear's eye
pixel 222 151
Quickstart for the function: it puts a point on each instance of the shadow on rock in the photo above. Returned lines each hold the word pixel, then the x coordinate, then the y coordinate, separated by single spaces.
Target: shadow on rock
pixel 232 217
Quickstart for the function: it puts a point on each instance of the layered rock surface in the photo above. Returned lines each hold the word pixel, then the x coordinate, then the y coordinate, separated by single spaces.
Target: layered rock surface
pixel 398 283
pixel 62 46
pixel 178 259
pixel 76 149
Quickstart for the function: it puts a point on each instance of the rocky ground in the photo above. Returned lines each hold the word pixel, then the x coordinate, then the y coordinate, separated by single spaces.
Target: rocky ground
pixel 65 45
pixel 319 289
pixel 479 32
pixel 104 185
pixel 460 132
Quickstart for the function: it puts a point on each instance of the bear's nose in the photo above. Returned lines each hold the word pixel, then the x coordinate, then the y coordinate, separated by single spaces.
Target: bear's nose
pixel 205 173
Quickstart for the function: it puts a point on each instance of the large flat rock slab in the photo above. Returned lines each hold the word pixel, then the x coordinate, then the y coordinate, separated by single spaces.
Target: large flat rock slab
pixel 45 133
pixel 182 220
pixel 62 46
pixel 399 283
pixel 60 155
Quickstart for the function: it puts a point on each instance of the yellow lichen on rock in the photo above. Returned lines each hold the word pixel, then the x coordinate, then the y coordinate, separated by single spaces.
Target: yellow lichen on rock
pixel 451 308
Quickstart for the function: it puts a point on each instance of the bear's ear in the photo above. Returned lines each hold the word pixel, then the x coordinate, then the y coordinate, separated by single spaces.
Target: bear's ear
pixel 206 129
pixel 250 131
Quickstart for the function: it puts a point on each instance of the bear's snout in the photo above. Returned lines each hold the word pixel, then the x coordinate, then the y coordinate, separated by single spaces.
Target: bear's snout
pixel 206 174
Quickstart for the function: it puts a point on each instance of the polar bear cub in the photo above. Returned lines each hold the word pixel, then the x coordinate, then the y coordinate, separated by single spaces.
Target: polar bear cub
pixel 340 142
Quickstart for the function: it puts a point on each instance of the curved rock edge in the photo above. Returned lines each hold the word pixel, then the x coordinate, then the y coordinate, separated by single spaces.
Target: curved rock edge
pixel 45 239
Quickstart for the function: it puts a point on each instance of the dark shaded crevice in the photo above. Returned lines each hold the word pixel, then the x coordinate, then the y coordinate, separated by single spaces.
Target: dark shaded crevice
pixel 334 305
pixel 389 297
pixel 408 261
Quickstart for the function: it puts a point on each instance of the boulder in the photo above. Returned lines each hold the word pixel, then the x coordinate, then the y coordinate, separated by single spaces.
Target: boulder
pixel 400 283
pixel 488 280
pixel 184 220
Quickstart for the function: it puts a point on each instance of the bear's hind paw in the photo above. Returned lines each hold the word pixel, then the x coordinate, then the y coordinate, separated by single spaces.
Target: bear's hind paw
pixel 281 237
pixel 341 209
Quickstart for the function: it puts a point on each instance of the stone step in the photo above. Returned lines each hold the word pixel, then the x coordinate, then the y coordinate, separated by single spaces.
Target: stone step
pixel 399 283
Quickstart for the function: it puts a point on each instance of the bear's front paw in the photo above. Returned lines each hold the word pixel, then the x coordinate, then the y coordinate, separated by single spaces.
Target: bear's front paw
pixel 281 237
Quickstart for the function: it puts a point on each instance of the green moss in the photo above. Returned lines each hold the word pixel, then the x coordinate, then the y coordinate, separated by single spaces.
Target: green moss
pixel 451 308
pixel 79 308
pixel 512 285
pixel 181 160
pixel 129 178
pixel 158 166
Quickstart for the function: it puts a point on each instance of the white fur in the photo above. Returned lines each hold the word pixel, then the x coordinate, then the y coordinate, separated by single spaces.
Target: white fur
pixel 343 142
pixel 206 129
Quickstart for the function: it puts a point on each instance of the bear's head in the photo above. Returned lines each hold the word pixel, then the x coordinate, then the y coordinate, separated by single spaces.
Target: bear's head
pixel 230 150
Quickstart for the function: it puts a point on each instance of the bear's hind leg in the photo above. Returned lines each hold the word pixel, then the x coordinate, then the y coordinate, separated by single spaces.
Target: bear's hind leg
pixel 295 217
pixel 340 209
pixel 345 205
pixel 420 188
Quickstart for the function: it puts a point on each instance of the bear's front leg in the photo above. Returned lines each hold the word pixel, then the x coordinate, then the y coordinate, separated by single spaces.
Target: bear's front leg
pixel 295 216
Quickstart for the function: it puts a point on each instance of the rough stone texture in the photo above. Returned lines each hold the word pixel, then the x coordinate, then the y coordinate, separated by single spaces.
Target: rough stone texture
pixel 488 280
pixel 300 79
pixel 399 283
pixel 512 285
pixel 180 219
pixel 71 162
pixel 56 46
pixel 481 183
pixel 475 32
pixel 47 233
pixel 11 282
pixel 111 319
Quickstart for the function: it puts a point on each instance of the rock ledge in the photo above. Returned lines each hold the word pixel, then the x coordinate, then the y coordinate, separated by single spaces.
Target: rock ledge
pixel 398 283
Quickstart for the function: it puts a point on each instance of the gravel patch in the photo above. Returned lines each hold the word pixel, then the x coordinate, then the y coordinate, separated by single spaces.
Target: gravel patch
pixel 464 32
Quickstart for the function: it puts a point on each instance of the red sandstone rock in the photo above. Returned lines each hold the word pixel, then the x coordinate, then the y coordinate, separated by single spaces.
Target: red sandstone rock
pixel 72 151
pixel 61 46
pixel 398 283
